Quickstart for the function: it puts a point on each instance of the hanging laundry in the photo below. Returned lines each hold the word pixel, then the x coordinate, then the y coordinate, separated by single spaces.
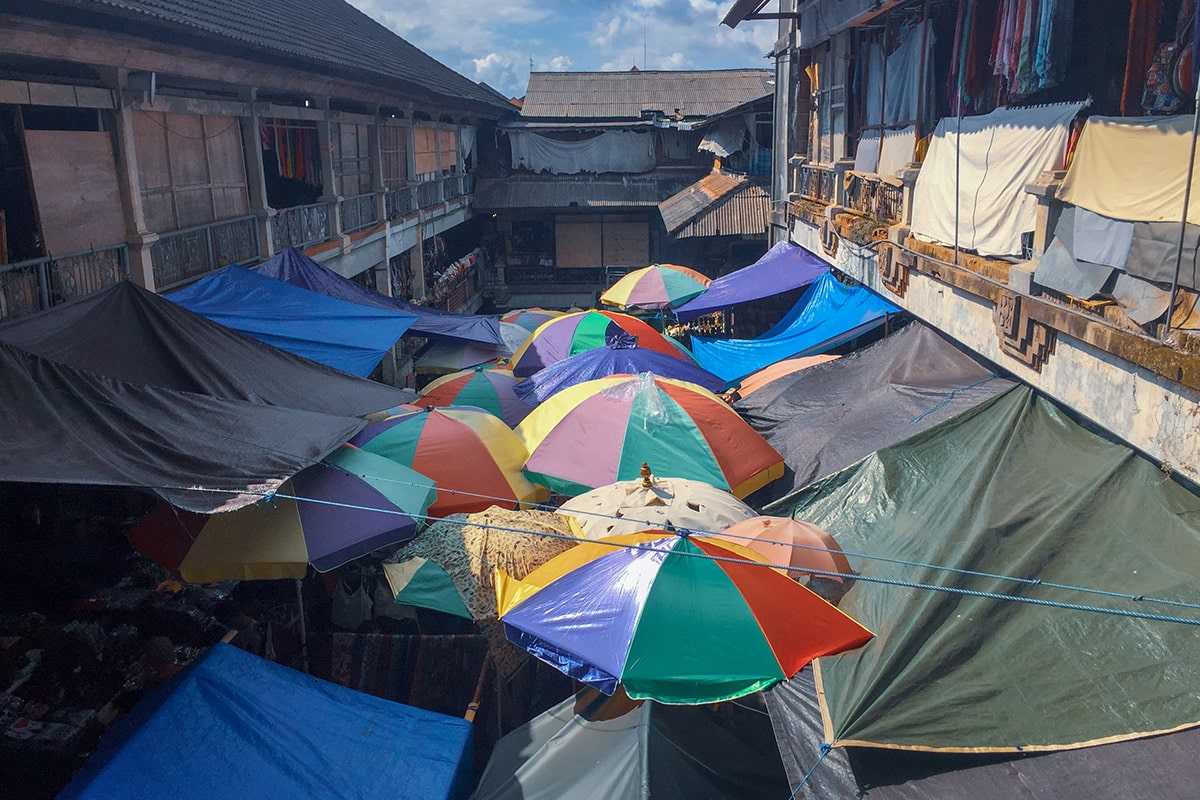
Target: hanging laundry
pixel 1055 31
pixel 1144 16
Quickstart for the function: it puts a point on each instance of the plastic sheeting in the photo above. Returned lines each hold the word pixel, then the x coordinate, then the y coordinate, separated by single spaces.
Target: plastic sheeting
pixel 1133 168
pixel 1164 768
pixel 782 268
pixel 1013 487
pixel 725 139
pixel 1001 152
pixel 235 726
pixel 612 151
pixel 829 313
pixel 581 750
pixel 292 266
pixel 829 416
pixel 347 336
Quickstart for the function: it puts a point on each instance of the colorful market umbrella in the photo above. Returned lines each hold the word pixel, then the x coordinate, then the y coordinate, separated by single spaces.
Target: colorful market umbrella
pixel 474 457
pixel 601 431
pixel 780 369
pixel 487 387
pixel 652 502
pixel 616 358
pixel 789 542
pixel 453 355
pixel 530 318
pixel 672 617
pixel 352 504
pixel 656 286
pixel 584 330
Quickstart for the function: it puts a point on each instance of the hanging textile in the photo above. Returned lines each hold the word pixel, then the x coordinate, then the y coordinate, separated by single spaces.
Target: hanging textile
pixel 1144 16
pixel 1055 29
pixel 899 93
pixel 616 151
pixel 894 155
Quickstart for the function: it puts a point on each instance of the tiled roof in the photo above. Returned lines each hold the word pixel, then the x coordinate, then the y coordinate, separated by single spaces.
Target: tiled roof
pixel 745 211
pixel 328 32
pixel 679 209
pixel 624 95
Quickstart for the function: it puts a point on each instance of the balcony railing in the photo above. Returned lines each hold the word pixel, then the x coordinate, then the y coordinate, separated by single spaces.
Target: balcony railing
pixel 875 198
pixel 359 212
pixel 180 256
pixel 300 226
pixel 401 201
pixel 38 284
pixel 429 193
pixel 816 182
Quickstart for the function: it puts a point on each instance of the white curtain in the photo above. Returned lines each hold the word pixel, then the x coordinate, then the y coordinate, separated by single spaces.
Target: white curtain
pixel 616 151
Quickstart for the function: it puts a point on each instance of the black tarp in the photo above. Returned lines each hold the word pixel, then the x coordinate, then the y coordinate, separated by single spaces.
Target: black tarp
pixel 829 416
pixel 1161 767
pixel 129 334
pixel 126 388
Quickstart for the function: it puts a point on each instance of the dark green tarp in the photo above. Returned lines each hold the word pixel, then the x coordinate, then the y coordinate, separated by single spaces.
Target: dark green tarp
pixel 1013 487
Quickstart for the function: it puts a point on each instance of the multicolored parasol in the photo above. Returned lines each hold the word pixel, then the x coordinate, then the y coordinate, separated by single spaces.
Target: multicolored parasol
pixel 600 432
pixel 788 542
pixel 574 333
pixel 351 504
pixel 488 387
pixel 530 318
pixel 656 286
pixel 672 617
pixel 474 457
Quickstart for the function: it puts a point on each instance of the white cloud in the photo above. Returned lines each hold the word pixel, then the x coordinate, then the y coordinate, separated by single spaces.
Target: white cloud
pixel 559 64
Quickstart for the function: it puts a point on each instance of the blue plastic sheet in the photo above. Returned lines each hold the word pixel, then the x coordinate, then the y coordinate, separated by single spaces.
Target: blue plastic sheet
pixel 782 268
pixel 347 336
pixel 829 313
pixel 294 267
pixel 237 726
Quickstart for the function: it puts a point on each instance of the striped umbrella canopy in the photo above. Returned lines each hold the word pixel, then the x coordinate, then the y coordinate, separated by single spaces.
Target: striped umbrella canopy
pixel 351 504
pixel 577 332
pixel 474 457
pixel 656 286
pixel 599 432
pixel 489 387
pixel 672 617
pixel 530 318
pixel 789 542
pixel 780 369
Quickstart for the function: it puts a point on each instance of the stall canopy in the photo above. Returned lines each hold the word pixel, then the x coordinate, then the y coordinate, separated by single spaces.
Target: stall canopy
pixel 593 746
pixel 347 336
pixel 1165 767
pixel 294 267
pixel 828 314
pixel 826 417
pixel 782 268
pixel 1014 488
pixel 129 334
pixel 125 388
pixel 235 725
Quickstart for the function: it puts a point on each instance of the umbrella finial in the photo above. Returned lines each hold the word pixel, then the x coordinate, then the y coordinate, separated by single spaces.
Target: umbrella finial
pixel 645 472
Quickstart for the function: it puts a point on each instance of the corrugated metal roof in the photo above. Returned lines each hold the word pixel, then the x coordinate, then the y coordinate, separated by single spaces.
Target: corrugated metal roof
pixel 745 212
pixel 624 95
pixel 680 208
pixel 563 192
pixel 329 32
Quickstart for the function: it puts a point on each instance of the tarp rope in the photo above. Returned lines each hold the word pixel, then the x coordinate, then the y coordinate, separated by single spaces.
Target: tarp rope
pixel 825 748
pixel 950 395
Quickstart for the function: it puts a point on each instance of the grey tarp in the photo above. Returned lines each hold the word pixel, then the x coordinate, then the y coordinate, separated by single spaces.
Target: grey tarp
pixel 1160 767
pixel 577 751
pixel 829 416
pixel 1077 621
pixel 126 388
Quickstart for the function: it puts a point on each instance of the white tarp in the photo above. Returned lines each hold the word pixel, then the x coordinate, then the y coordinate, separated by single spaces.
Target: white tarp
pixel 613 151
pixel 895 155
pixel 1001 153
pixel 725 139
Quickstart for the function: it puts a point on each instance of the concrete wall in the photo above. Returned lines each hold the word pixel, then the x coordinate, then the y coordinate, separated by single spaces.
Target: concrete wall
pixel 1155 415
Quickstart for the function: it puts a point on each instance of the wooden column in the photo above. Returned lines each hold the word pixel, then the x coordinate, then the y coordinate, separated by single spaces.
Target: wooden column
pixel 256 181
pixel 138 236
pixel 329 195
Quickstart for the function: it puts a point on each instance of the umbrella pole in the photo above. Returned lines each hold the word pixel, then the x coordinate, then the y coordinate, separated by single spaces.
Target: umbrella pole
pixel 473 706
pixel 303 627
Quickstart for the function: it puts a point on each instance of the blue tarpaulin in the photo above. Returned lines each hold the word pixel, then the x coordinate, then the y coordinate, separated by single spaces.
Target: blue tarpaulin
pixel 829 313
pixel 782 268
pixel 346 336
pixel 296 268
pixel 235 726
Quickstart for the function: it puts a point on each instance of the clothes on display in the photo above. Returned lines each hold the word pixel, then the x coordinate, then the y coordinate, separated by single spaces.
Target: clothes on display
pixel 895 85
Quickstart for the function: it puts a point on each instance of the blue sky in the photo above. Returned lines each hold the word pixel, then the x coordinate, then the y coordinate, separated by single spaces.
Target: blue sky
pixel 494 40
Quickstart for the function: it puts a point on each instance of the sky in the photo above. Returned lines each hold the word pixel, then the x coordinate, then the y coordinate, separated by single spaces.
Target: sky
pixel 493 41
